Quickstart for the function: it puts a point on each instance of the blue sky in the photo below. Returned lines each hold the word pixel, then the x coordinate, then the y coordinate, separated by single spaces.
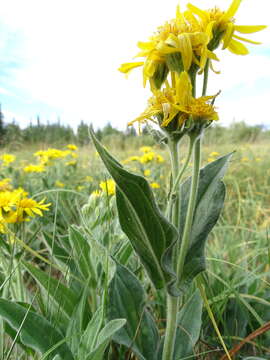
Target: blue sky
pixel 59 59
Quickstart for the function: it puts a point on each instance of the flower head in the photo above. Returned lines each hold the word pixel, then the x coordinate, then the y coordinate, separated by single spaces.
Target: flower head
pixel 220 26
pixel 72 147
pixel 177 105
pixel 108 186
pixel 34 168
pixel 7 159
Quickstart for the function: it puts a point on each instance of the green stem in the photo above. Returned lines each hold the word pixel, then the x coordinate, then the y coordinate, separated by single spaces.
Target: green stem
pixel 190 211
pixel 171 325
pixel 205 77
pixel 172 302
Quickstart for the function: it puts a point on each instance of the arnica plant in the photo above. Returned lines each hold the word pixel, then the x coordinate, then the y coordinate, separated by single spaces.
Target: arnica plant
pixel 129 280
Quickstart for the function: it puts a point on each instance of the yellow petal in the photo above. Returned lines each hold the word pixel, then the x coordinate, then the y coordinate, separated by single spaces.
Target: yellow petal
pixel 249 29
pixel 228 35
pixel 127 67
pixel 185 48
pixel 183 89
pixel 246 40
pixel 146 45
pixel 237 48
pixel 202 14
pixel 231 11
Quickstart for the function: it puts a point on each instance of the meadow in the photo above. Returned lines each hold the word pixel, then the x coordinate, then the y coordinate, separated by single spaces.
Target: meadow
pixel 60 240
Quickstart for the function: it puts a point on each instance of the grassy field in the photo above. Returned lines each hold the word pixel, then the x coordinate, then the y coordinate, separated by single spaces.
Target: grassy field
pixel 82 219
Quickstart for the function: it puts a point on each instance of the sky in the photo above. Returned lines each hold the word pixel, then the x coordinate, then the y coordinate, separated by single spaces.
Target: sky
pixel 59 59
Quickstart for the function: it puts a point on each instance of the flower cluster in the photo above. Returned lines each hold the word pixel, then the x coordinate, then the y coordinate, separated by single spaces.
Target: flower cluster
pixel 16 206
pixel 178 51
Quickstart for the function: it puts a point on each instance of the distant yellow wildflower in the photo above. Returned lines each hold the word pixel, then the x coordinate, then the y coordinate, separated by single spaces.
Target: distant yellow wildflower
pixel 96 193
pixel 108 187
pixel 145 149
pixel 72 147
pixel 59 184
pixel 7 159
pixel 34 168
pixel 147 157
pixel 5 184
pixel 155 185
pixel 71 163
pixel 214 154
pixel 147 172
pixel 159 159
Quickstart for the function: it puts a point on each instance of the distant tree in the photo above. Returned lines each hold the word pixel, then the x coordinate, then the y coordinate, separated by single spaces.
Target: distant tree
pixel 82 133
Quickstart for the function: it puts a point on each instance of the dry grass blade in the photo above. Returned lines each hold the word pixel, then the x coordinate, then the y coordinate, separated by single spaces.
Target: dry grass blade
pixel 261 330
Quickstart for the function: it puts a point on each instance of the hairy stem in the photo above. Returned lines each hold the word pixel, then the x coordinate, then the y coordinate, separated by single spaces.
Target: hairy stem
pixel 190 211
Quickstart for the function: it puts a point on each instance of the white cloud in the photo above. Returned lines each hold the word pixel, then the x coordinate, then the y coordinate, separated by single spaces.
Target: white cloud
pixel 72 50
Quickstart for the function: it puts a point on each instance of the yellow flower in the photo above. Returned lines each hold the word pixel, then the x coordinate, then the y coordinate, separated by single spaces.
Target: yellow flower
pixel 145 149
pixel 155 185
pixel 108 187
pixel 214 154
pixel 258 159
pixel 59 184
pixel 72 147
pixel 159 159
pixel 5 184
pixel 210 159
pixel 7 159
pixel 147 172
pixel 51 154
pixel 220 26
pixel 34 168
pixel 175 46
pixel 177 105
pixel 96 193
pixel 80 188
pixel 71 163
pixel 27 207
pixel 147 157
pixel 7 202
pixel 245 159
pixel 130 159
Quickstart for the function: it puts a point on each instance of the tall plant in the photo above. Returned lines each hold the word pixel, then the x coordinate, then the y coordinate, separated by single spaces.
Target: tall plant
pixel 171 245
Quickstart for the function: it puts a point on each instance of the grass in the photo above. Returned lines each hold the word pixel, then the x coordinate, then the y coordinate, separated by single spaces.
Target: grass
pixel 237 280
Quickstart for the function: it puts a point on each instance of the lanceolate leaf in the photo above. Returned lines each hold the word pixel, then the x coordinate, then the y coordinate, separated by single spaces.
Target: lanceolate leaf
pixel 65 298
pixel 147 229
pixel 128 301
pixel 189 322
pixel 209 203
pixel 36 332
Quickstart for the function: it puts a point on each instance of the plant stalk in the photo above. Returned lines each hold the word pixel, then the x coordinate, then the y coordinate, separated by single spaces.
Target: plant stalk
pixel 174 208
pixel 190 211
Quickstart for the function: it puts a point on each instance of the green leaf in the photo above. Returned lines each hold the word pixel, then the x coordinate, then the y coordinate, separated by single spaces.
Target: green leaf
pixel 90 335
pixel 189 322
pixel 79 321
pixel 81 251
pixel 65 298
pixel 104 338
pixel 36 332
pixel 140 218
pixel 209 204
pixel 128 301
